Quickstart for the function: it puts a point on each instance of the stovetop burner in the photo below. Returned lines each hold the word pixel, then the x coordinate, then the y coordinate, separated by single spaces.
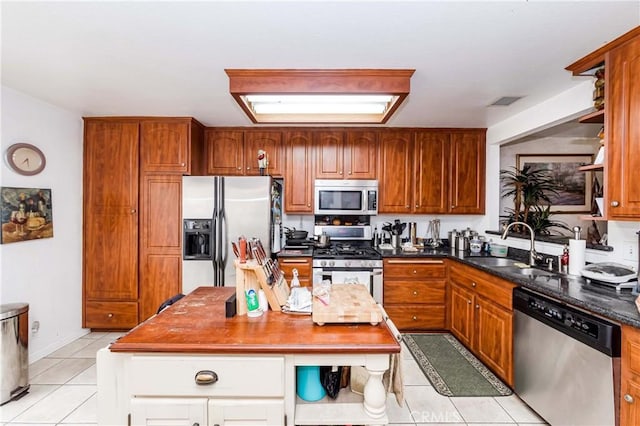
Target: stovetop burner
pixel 346 251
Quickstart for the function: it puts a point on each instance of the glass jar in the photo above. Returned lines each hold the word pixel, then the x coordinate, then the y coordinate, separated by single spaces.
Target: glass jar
pixel 475 245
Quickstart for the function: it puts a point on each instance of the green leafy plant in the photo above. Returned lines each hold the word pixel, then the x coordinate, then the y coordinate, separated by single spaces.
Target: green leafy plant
pixel 530 189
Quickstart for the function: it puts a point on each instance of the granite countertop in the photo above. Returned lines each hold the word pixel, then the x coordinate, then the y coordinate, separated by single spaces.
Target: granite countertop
pixel 572 290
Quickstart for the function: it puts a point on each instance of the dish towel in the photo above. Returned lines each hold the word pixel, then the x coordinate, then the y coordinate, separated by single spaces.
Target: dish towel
pixel 392 380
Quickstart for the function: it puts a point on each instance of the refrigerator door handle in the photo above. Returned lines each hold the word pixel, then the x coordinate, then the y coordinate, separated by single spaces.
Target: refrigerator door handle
pixel 224 251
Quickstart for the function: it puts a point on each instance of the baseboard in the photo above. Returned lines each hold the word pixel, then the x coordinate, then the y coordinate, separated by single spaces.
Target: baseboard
pixel 49 349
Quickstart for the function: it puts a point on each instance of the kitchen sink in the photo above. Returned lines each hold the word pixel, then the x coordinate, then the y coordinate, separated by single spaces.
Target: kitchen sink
pixel 492 261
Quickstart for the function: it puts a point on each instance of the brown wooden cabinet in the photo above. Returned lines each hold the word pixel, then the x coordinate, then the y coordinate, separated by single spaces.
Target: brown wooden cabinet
pixel 224 152
pixel 414 293
pixel 171 145
pixel 132 215
pixel 630 377
pixel 302 264
pixel 346 154
pixel 481 317
pixel 298 180
pixel 234 152
pixel 395 172
pixel 110 223
pixel 160 241
pixel 467 172
pixel 432 171
pixel 623 122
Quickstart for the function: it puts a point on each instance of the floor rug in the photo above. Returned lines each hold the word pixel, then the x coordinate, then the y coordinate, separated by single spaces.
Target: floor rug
pixel 451 368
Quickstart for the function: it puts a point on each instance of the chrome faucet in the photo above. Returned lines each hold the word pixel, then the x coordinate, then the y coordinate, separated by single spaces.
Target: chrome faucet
pixel 533 256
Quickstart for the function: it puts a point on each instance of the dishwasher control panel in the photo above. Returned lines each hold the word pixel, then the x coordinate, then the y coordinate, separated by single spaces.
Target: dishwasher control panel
pixel 591 330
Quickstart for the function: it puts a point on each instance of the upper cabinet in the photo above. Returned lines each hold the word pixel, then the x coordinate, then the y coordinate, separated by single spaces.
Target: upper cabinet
pixel 467 172
pixel 432 171
pixel 623 122
pixel 621 118
pixel 298 179
pixel 171 146
pixel 235 152
pixel 345 154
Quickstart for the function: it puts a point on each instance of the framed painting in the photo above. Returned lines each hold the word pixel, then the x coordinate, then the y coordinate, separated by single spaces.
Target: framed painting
pixel 574 194
pixel 26 214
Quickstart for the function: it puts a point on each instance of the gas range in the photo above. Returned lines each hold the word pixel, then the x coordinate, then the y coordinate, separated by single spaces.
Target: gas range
pixel 347 255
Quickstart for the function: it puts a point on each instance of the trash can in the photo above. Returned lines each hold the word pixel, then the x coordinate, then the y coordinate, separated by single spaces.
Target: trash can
pixel 14 320
pixel 308 385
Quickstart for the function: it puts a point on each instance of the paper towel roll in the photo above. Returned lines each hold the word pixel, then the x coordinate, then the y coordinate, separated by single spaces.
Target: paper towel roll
pixel 577 249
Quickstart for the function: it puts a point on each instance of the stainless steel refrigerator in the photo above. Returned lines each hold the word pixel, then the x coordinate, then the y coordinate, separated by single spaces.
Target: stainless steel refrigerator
pixel 218 210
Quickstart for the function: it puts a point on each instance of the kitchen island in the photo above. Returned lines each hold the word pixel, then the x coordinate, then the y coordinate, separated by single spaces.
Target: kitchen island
pixel 190 363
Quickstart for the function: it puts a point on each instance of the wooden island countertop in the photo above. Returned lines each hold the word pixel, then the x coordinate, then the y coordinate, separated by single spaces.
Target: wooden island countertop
pixel 197 324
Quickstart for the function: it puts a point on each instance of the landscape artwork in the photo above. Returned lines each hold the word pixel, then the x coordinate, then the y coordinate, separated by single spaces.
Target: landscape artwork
pixel 26 214
pixel 574 194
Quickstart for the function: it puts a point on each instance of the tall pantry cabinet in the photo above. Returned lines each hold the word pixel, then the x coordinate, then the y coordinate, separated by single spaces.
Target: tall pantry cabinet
pixel 133 171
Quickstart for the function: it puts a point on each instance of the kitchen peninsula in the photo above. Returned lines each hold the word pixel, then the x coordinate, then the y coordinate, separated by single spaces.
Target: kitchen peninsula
pixel 191 363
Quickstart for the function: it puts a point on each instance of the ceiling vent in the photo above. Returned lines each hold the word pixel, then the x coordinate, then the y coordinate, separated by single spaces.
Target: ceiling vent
pixel 506 100
pixel 319 96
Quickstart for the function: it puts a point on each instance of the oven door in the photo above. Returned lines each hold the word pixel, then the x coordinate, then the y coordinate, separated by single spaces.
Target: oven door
pixel 370 277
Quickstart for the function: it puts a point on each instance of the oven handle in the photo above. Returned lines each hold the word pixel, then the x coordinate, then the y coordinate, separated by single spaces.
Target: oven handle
pixel 413 262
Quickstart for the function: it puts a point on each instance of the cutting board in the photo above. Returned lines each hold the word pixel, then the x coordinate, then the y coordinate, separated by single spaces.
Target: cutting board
pixel 348 303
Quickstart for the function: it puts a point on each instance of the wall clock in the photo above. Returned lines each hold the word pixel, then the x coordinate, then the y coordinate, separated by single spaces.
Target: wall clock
pixel 26 159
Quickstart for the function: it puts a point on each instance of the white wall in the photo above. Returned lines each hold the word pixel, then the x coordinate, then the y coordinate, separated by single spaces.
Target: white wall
pixel 46 274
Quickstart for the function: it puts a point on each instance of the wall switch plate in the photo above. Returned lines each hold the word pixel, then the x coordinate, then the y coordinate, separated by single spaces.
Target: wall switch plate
pixel 630 250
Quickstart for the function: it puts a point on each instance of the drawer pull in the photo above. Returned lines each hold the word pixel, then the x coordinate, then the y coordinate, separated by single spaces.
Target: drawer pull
pixel 109 315
pixel 473 284
pixel 468 302
pixel 628 398
pixel 415 293
pixel 477 306
pixel 415 272
pixel 414 262
pixel 206 377
pixel 415 318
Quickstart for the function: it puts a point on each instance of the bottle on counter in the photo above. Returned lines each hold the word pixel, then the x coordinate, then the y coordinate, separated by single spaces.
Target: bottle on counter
pixel 564 260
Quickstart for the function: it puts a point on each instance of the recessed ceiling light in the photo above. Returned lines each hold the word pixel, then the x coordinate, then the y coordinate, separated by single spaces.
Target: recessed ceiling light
pixel 319 96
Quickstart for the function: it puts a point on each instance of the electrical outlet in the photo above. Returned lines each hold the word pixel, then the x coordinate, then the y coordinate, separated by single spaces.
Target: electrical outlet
pixel 35 327
pixel 630 250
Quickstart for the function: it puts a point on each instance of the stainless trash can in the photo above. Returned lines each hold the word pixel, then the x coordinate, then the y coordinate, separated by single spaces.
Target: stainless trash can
pixel 14 318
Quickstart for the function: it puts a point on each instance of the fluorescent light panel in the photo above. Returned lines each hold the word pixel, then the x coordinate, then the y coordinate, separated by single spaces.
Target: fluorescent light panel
pixel 319 104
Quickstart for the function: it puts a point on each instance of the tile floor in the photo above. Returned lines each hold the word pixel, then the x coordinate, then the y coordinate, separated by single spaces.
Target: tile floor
pixel 63 392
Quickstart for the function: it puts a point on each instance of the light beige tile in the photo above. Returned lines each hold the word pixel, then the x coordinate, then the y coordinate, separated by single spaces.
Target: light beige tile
pixel 96 335
pixel 117 334
pixel 68 350
pixel 64 371
pixel 481 410
pixel 428 406
pixel 12 409
pixel 41 365
pixel 86 413
pixel 441 424
pixel 396 413
pixel 90 350
pixel 518 410
pixel 87 377
pixel 57 405
pixel 412 374
pixel 531 424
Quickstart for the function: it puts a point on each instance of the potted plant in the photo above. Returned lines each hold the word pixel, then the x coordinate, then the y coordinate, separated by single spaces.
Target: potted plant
pixel 530 189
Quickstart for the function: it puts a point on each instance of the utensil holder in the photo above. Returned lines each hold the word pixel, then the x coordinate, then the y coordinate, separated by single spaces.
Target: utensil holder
pixel 395 241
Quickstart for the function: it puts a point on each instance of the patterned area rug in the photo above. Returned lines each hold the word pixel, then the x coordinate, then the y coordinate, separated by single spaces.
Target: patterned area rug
pixel 451 368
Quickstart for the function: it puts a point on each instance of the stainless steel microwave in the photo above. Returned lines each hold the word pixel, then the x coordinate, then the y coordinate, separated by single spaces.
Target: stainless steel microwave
pixel 345 197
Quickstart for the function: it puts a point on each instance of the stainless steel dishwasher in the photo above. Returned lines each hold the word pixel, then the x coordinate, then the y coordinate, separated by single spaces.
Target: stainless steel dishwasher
pixel 567 361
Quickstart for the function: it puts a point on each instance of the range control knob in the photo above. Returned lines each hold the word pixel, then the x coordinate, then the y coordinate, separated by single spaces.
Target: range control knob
pixel 332 263
pixel 323 263
pixel 347 263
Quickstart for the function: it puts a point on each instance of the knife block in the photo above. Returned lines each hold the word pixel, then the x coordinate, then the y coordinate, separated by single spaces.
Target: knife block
pixel 251 275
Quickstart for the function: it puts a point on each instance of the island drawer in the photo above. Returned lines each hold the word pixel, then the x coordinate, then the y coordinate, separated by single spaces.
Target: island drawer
pixel 240 376
pixel 417 317
pixel 414 268
pixel 412 292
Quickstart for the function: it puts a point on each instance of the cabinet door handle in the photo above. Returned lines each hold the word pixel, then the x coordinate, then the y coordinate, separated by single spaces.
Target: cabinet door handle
pixel 340 171
pixel 453 207
pixel 182 164
pixel 109 315
pixel 628 398
pixel 133 211
pixel 248 168
pixel 415 318
pixel 615 204
pixel 239 168
pixel 407 206
pixel 473 284
pixel 415 293
pixel 206 377
pixel 477 306
pixel 349 171
pixel 468 302
pixel 417 205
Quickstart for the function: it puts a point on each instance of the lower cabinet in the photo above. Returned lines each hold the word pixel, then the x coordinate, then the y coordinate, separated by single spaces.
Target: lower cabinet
pixel 481 317
pixel 205 411
pixel 630 377
pixel 414 293
pixel 302 264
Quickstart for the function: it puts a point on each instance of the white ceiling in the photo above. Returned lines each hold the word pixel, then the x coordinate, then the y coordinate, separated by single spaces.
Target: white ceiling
pixel 168 58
